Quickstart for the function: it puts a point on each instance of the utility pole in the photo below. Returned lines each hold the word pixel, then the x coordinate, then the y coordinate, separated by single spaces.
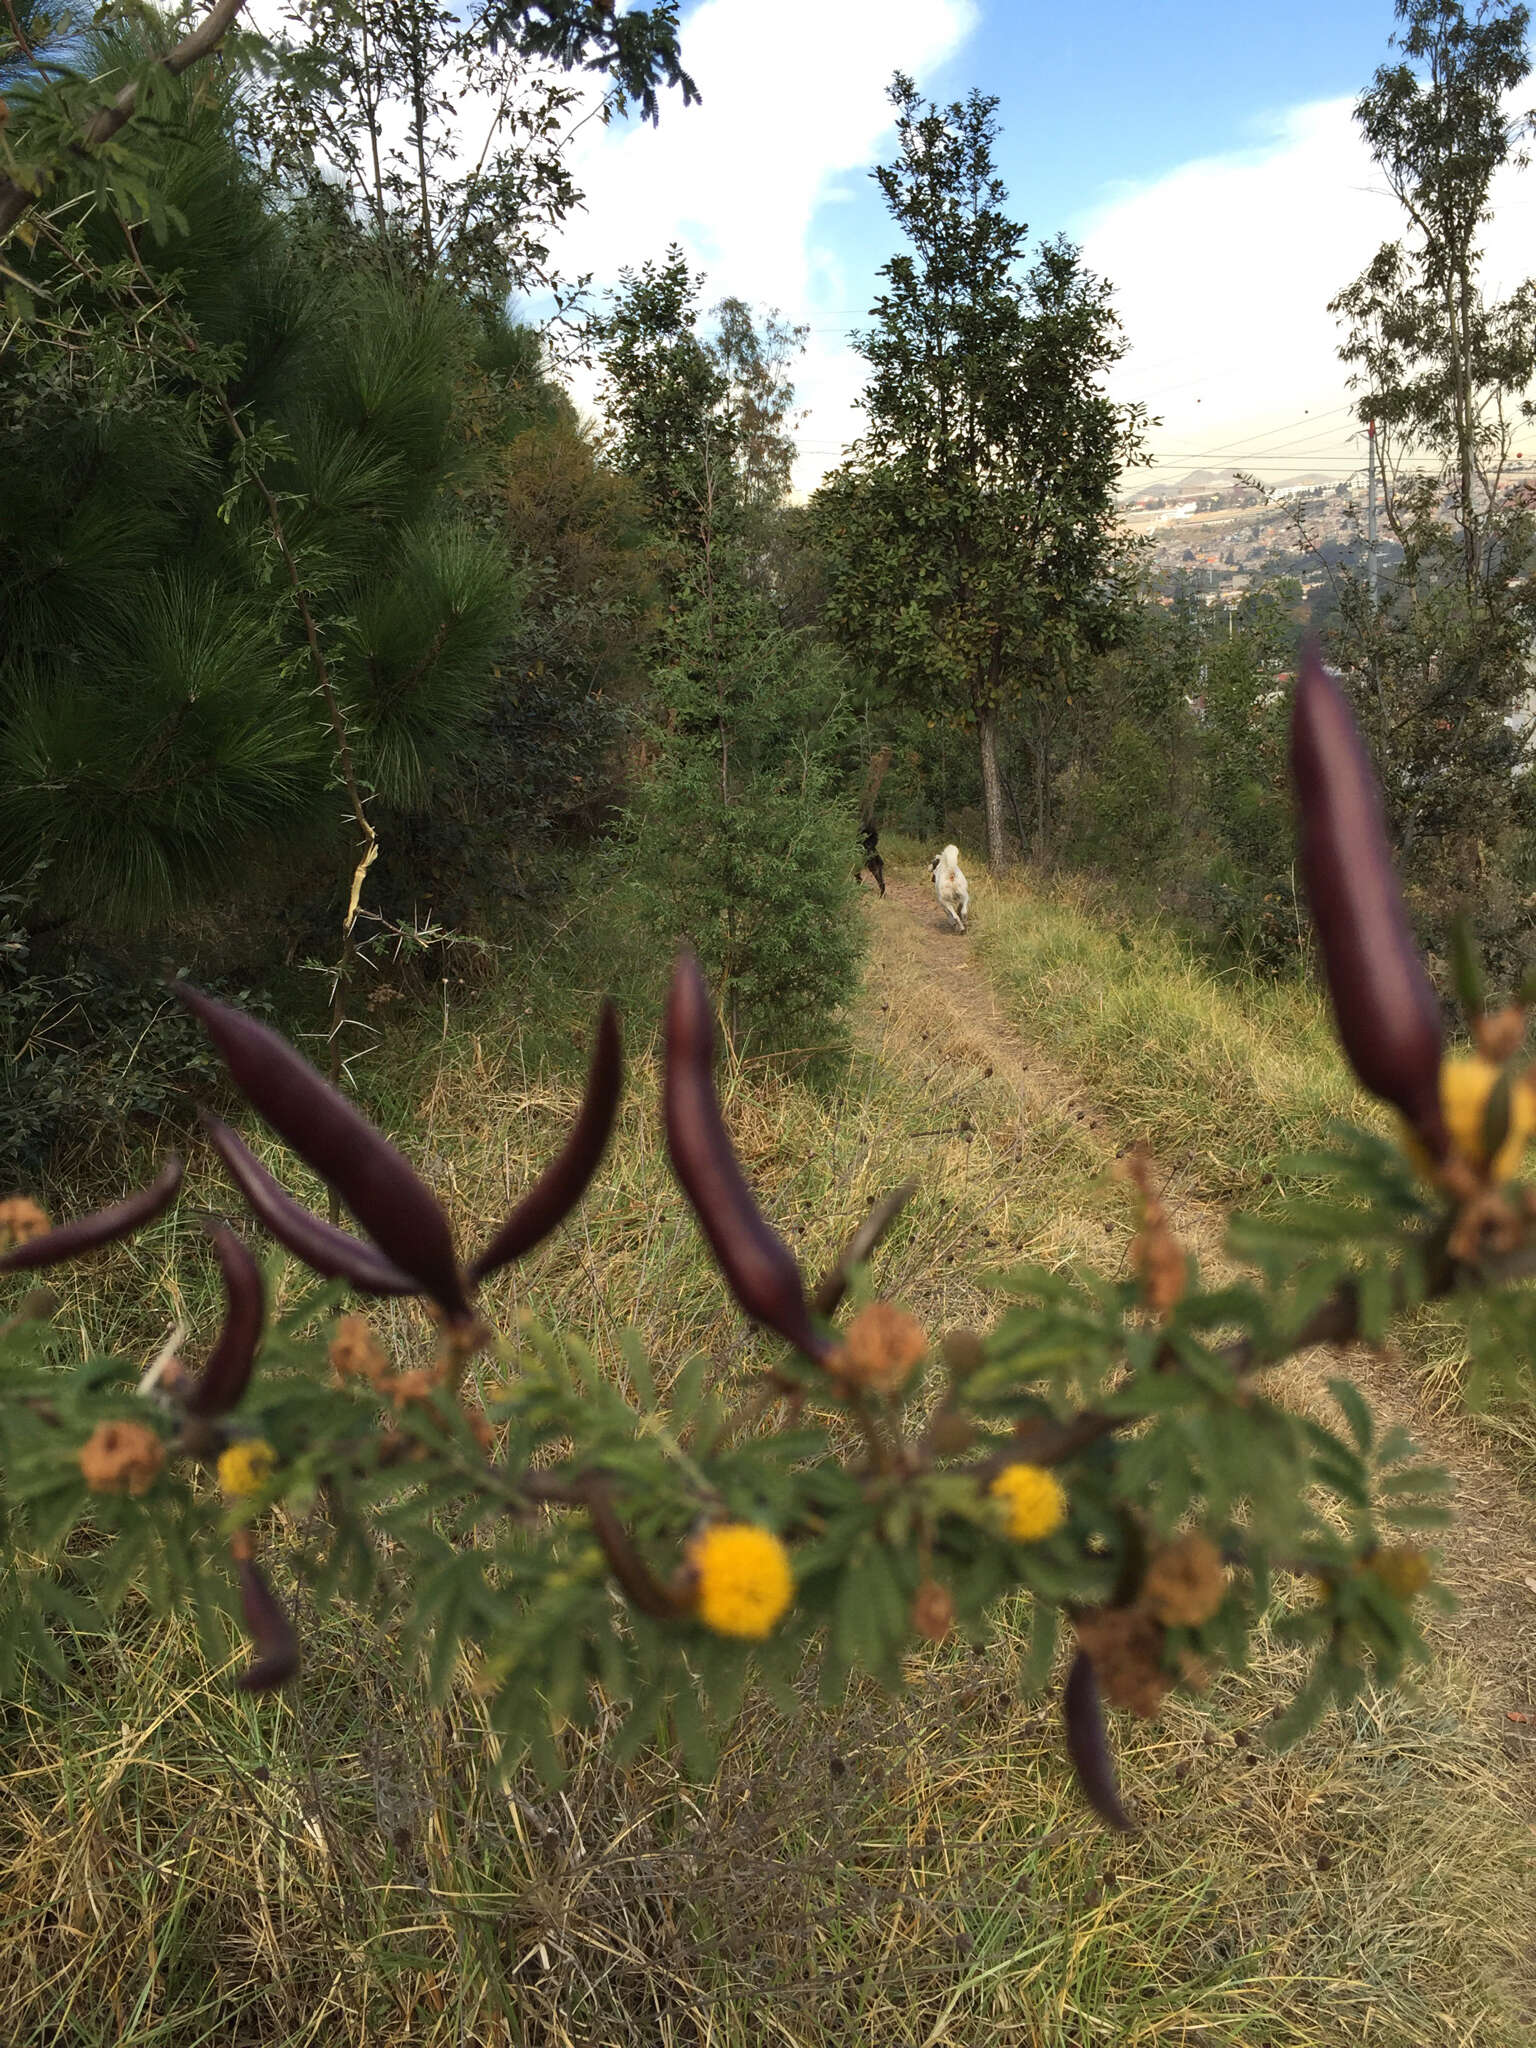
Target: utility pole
pixel 1370 513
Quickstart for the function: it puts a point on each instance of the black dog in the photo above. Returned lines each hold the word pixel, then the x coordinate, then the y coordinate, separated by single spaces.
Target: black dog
pixel 871 860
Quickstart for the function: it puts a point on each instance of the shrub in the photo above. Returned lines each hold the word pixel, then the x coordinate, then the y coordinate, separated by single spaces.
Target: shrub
pixel 1105 1450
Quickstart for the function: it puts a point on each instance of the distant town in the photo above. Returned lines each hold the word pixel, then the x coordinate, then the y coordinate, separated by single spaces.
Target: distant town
pixel 1218 538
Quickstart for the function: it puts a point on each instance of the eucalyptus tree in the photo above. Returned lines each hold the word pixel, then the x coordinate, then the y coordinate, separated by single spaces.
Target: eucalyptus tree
pixel 1444 369
pixel 436 137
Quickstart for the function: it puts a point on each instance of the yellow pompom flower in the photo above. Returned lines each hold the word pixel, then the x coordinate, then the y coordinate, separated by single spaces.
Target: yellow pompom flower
pixel 1402 1570
pixel 1466 1082
pixel 743 1580
pixel 1035 1499
pixel 246 1467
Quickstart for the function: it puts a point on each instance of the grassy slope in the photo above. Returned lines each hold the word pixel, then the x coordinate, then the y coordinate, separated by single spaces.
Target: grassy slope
pixel 182 1866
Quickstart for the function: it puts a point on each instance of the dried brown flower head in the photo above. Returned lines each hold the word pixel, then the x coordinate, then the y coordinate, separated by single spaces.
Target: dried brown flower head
pixel 881 1349
pixel 121 1457
pixel 963 1353
pixel 1158 1260
pixel 951 1433
pixel 933 1611
pixel 1126 1646
pixel 1402 1570
pixel 21 1220
pixel 356 1353
pixel 1185 1582
pixel 407 1387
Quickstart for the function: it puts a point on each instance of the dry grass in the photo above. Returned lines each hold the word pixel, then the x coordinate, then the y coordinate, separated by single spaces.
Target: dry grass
pixel 189 1869
pixel 179 1866
pixel 1225 1075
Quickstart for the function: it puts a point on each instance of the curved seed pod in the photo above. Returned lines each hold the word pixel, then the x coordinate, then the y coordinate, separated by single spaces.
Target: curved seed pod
pixel 755 1260
pixel 1088 1744
pixel 1385 1009
pixel 102 1226
pixel 224 1379
pixel 271 1631
pixel 324 1249
pixel 375 1181
pixel 560 1186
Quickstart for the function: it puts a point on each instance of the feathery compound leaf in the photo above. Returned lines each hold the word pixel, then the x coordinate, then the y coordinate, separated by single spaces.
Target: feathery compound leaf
pixel 375 1180
pixel 561 1185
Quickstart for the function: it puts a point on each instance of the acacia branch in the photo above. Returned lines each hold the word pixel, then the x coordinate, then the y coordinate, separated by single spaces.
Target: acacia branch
pixel 1335 1322
pixel 16 198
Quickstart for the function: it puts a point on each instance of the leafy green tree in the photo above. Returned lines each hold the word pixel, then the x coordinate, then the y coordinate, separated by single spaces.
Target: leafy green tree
pixel 1438 655
pixel 434 139
pixel 73 116
pixel 760 399
pixel 665 395
pixel 347 67
pixel 971 533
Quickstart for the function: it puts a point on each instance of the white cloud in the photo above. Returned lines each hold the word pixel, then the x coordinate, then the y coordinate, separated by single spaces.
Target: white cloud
pixel 1223 269
pixel 794 112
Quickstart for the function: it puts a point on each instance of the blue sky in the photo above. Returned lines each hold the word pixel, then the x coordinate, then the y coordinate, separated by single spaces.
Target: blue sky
pixel 1094 97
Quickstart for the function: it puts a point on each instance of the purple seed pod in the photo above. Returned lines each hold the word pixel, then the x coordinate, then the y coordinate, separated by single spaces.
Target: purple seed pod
pixel 224 1379
pixel 323 1248
pixel 1385 1009
pixel 755 1260
pixel 102 1226
pixel 1088 1744
pixel 270 1630
pixel 375 1181
pixel 560 1186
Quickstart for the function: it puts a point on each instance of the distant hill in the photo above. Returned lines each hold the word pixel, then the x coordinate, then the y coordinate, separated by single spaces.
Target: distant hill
pixel 1205 483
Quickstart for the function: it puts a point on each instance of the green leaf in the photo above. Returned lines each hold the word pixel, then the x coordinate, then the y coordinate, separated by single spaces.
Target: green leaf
pixel 1040 1650
pixel 1305 1710
pixel 1356 1413
pixel 694 1737
pixel 636 1357
pixel 1467 968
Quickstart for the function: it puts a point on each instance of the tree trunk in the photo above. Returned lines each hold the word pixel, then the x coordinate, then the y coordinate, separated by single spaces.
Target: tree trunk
pixel 999 847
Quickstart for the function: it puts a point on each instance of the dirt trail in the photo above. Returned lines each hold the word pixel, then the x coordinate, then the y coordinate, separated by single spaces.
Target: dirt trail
pixel 929 990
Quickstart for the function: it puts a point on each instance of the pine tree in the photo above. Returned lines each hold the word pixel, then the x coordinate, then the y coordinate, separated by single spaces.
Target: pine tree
pixel 294 436
pixel 741 844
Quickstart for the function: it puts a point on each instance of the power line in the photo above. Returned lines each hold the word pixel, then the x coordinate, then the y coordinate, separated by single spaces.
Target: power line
pixel 1289 426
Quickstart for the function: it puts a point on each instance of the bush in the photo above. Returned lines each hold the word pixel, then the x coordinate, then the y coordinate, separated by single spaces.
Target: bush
pixel 742 848
pixel 88 1044
pixel 760 886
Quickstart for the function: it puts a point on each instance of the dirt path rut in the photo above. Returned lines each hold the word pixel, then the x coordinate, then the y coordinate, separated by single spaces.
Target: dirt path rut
pixel 930 992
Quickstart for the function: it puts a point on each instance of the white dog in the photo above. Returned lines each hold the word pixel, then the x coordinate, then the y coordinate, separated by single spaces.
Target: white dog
pixel 949 885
